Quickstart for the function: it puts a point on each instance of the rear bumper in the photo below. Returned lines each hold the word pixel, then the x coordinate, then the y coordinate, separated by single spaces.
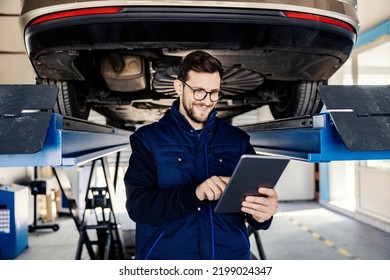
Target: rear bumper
pixel 238 35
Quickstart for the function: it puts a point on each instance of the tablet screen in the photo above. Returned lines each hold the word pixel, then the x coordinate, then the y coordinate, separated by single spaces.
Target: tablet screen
pixel 251 172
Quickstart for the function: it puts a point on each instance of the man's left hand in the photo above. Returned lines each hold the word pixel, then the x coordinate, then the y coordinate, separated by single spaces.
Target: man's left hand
pixel 261 208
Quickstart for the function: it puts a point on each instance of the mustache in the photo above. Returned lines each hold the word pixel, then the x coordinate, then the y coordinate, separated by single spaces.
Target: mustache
pixel 200 103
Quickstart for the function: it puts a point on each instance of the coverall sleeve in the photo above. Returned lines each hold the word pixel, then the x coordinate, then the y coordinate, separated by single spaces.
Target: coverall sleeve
pixel 256 225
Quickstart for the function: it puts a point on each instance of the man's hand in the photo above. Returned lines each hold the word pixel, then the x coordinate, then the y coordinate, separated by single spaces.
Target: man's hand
pixel 261 208
pixel 212 188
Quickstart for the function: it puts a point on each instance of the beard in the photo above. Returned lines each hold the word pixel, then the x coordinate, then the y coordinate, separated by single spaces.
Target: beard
pixel 193 114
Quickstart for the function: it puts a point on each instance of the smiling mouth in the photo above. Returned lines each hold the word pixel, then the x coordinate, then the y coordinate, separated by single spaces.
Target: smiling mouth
pixel 202 107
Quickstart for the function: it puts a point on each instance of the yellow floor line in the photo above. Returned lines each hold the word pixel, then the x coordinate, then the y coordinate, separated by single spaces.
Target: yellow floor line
pixel 316 235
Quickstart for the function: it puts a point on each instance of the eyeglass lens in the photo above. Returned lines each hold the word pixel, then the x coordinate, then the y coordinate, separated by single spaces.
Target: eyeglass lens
pixel 201 94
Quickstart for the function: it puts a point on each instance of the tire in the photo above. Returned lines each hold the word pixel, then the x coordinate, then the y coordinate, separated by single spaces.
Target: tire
pixel 298 100
pixel 69 103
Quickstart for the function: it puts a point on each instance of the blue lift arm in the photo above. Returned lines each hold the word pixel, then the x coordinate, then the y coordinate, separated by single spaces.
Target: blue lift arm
pixel 318 141
pixel 31 135
pixel 68 147
pixel 356 127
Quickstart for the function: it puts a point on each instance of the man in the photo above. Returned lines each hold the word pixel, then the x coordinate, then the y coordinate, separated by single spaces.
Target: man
pixel 178 169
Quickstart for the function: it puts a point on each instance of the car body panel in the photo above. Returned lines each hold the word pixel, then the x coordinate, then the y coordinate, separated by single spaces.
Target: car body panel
pixel 341 9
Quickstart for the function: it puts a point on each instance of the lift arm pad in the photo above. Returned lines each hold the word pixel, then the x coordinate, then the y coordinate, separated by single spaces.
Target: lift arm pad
pixel 25 113
pixel 361 115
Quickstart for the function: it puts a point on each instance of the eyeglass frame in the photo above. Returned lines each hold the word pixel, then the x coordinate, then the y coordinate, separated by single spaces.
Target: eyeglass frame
pixel 206 93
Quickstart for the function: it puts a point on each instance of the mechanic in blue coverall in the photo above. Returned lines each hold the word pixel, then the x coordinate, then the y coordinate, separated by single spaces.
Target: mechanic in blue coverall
pixel 178 169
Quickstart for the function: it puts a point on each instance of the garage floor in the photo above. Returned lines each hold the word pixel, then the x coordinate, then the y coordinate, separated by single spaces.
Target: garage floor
pixel 300 231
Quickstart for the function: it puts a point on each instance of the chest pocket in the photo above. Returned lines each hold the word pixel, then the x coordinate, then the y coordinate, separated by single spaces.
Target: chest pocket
pixel 224 160
pixel 172 169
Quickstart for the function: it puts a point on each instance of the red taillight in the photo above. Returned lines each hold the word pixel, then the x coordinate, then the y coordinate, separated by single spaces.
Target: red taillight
pixel 319 19
pixel 75 13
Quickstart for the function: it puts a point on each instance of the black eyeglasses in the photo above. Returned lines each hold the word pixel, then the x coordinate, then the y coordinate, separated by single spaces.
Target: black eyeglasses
pixel 200 94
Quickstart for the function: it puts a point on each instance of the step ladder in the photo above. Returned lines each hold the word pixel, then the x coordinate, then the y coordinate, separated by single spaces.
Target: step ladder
pixel 99 231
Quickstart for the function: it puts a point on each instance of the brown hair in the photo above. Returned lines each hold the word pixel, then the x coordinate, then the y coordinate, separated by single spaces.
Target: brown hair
pixel 201 62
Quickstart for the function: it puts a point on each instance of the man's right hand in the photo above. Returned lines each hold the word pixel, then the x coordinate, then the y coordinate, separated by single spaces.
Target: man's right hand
pixel 212 188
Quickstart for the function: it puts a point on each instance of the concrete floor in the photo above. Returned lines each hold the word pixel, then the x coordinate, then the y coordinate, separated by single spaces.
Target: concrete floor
pixel 300 231
pixel 309 231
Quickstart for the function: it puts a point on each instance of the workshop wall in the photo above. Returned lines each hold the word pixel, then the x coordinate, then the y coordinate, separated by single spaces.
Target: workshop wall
pixel 15 67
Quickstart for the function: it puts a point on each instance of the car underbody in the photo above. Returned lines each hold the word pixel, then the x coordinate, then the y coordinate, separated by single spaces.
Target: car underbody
pixel 123 66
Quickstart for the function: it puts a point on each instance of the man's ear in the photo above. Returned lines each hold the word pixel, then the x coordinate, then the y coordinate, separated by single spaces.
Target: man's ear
pixel 178 87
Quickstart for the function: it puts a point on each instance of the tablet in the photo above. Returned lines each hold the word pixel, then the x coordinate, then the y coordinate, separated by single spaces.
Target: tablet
pixel 251 172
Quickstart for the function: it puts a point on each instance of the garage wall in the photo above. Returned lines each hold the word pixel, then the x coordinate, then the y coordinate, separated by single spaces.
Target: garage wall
pixel 14 65
pixel 373 193
pixel 372 12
